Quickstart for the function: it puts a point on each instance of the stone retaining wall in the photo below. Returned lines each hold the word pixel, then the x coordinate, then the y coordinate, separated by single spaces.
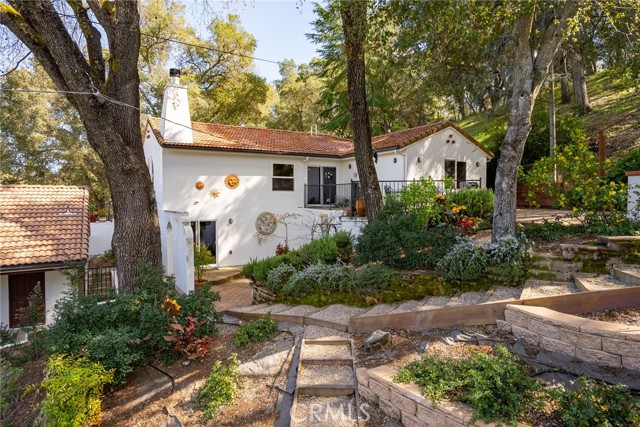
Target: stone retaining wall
pixel 405 402
pixel 601 343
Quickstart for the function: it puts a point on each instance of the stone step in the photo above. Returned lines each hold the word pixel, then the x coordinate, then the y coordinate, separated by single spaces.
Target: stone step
pixel 336 316
pixel 502 293
pixel 601 283
pixel 557 276
pixel 628 273
pixel 547 255
pixel 557 266
pixel 618 243
pixel 222 275
pixel 467 298
pixel 543 288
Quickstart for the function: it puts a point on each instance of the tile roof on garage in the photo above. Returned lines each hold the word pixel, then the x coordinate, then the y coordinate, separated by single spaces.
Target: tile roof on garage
pixel 41 224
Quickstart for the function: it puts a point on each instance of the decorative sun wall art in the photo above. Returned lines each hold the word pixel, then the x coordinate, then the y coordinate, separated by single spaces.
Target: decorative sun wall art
pixel 232 181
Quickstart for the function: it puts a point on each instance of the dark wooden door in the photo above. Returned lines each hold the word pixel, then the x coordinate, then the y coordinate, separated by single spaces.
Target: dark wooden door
pixel 20 287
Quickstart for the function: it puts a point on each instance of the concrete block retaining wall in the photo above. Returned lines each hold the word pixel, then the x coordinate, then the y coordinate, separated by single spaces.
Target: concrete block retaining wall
pixel 405 402
pixel 601 343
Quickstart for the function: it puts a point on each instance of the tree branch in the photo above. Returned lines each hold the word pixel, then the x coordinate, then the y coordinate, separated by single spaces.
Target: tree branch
pixel 94 42
pixel 104 14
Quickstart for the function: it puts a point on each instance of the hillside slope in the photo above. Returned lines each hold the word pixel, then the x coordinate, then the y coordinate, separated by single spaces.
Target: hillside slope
pixel 616 107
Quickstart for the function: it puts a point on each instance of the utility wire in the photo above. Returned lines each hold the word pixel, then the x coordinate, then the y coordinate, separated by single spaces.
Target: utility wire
pixel 98 94
pixel 170 40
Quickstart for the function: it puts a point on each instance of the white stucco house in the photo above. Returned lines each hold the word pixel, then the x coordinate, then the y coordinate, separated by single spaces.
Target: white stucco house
pixel 42 229
pixel 218 184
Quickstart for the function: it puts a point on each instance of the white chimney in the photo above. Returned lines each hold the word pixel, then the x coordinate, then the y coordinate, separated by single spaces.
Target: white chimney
pixel 175 123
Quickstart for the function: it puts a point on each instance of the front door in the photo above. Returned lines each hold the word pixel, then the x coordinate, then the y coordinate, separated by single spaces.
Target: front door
pixel 205 232
pixel 20 287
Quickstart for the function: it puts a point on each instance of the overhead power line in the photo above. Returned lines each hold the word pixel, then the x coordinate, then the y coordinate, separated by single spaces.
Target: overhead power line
pixel 170 40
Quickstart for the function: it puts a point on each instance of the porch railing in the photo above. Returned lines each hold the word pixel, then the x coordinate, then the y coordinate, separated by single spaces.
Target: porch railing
pixel 100 280
pixel 341 196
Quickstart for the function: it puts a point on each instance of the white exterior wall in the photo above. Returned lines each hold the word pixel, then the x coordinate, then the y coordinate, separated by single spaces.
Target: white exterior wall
pixel 55 285
pixel 434 150
pixel 236 239
pixel 100 237
pixel 389 171
pixel 633 187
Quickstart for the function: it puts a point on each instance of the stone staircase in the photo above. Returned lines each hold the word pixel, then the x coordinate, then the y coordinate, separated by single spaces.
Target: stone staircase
pixel 569 270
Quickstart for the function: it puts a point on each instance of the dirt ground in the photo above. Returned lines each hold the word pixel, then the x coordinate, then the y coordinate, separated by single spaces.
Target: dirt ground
pixel 625 317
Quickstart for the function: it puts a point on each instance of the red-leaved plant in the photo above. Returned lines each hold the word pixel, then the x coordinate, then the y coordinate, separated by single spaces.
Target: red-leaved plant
pixel 186 340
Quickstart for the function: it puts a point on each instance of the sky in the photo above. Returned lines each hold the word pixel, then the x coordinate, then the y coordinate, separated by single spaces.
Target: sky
pixel 279 28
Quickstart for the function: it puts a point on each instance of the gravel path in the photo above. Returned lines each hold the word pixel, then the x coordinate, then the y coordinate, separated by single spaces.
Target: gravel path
pixel 380 309
pixel 601 283
pixel 503 293
pixel 338 313
pixel 543 289
pixel 326 411
pixel 319 374
pixel 319 351
pixel 435 302
pixel 315 332
pixel 468 298
pixel 408 306
pixel 273 309
pixel 301 310
pixel 250 308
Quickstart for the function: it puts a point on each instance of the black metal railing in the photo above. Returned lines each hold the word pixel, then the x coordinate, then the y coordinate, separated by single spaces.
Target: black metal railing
pixel 100 280
pixel 341 196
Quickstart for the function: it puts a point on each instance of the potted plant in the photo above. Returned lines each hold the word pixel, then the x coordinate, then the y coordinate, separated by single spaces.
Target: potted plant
pixel 201 258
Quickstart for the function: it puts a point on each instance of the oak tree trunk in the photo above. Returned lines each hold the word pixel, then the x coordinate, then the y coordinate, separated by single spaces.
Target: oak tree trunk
pixel 107 101
pixel 354 26
pixel 531 67
pixel 580 94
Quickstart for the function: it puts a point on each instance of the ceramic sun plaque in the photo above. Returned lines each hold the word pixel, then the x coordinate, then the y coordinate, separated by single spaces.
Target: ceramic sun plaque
pixel 232 181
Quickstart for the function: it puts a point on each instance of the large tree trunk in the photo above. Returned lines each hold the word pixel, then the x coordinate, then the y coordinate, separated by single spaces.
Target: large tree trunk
pixel 531 67
pixel 111 116
pixel 354 26
pixel 565 92
pixel 580 94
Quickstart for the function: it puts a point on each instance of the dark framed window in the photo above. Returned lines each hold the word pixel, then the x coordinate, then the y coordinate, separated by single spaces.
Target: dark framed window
pixel 282 177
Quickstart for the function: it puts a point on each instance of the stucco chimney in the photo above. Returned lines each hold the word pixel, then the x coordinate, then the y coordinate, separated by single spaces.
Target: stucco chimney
pixel 175 123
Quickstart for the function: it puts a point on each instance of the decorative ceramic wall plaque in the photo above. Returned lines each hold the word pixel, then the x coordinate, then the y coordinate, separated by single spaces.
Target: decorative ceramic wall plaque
pixel 199 185
pixel 214 193
pixel 266 223
pixel 232 181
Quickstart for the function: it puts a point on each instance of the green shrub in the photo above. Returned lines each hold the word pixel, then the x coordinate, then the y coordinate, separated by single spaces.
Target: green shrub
pixel 202 257
pixel 320 278
pixel 395 238
pixel 256 331
pixel 200 305
pixel 123 332
pixel 9 390
pixel 465 261
pixel 247 269
pixel 72 392
pixel 344 242
pixel 478 201
pixel 570 129
pixel 7 335
pixel 598 404
pixel 548 231
pixel 372 277
pixel 262 267
pixel 509 255
pixel 438 242
pixel 419 198
pixel 220 388
pixel 279 276
pixel 497 387
pixel 619 167
pixel 323 250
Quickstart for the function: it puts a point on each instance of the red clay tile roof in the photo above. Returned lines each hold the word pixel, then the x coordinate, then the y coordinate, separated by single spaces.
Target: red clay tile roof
pixel 252 139
pixel 403 138
pixel 43 224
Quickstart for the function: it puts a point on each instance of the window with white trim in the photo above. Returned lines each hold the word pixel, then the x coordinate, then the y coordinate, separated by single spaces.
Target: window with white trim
pixel 282 177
